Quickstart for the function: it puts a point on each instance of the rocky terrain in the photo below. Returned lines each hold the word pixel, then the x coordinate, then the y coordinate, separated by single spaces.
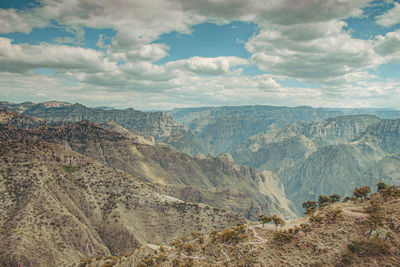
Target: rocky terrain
pixel 212 180
pixel 357 233
pixel 157 125
pixel 58 206
pixel 322 158
pixel 225 127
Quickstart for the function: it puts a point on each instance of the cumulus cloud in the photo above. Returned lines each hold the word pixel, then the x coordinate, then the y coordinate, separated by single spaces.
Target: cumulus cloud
pixel 391 17
pixel 389 46
pixel 283 12
pixel 136 22
pixel 22 58
pixel 210 66
pixel 319 52
pixel 304 40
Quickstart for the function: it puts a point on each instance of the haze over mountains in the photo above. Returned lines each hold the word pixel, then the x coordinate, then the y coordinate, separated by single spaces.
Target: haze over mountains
pixel 106 168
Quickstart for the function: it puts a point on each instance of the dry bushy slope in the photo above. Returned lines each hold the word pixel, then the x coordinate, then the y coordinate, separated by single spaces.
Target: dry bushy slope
pixel 346 240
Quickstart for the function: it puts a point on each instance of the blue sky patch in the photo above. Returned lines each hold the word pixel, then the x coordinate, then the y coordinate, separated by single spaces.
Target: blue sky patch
pixel 209 40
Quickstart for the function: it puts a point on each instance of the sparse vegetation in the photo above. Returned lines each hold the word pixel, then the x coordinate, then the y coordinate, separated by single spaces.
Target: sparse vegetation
pixel 369 247
pixel 264 219
pixel 278 221
pixel 310 206
pixel 323 201
pixel 362 192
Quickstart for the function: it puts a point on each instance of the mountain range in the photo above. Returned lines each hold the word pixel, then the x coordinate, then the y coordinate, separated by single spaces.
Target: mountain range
pixel 125 178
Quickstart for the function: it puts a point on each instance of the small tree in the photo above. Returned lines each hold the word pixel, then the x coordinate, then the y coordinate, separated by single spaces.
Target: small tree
pixel 381 186
pixel 278 221
pixel 264 219
pixel 335 198
pixel 323 201
pixel 361 192
pixel 310 207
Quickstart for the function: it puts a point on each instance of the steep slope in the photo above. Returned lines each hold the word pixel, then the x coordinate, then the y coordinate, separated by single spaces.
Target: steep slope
pixel 322 158
pixel 58 206
pixel 329 170
pixel 224 127
pixel 332 168
pixel 156 124
pixel 16 107
pixel 344 239
pixel 386 170
pixel 281 150
pixel 13 118
pixel 213 180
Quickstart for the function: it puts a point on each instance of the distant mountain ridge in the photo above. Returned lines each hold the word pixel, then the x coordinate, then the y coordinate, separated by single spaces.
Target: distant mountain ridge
pixel 158 125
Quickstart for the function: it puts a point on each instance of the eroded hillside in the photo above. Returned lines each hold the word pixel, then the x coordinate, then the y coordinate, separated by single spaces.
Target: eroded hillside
pixel 340 234
pixel 58 206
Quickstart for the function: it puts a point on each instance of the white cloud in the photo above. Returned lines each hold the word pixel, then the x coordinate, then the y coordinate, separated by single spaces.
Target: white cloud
pixel 210 66
pixel 10 21
pixel 304 40
pixel 391 17
pixel 318 52
pixel 23 58
pixel 389 46
pixel 283 12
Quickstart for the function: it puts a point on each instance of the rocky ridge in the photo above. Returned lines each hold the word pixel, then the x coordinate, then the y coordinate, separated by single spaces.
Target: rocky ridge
pixel 215 181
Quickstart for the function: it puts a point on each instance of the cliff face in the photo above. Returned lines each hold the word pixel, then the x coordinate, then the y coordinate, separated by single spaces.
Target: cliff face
pixel 13 118
pixel 149 124
pixel 328 157
pixel 214 180
pixel 58 206
pixel 225 127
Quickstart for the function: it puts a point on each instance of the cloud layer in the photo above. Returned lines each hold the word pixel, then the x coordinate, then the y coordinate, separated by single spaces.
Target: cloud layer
pixel 301 40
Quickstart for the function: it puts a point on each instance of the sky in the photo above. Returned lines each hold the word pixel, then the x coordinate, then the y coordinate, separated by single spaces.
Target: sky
pixel 164 54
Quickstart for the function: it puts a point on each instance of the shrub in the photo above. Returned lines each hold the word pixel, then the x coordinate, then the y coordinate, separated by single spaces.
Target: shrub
pixel 369 247
pixel 310 206
pixel 323 201
pixel 333 215
pixel 334 198
pixel 390 191
pixel 264 219
pixel 375 215
pixel 284 236
pixel 381 186
pixel 233 236
pixel 317 219
pixel 278 221
pixel 362 192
